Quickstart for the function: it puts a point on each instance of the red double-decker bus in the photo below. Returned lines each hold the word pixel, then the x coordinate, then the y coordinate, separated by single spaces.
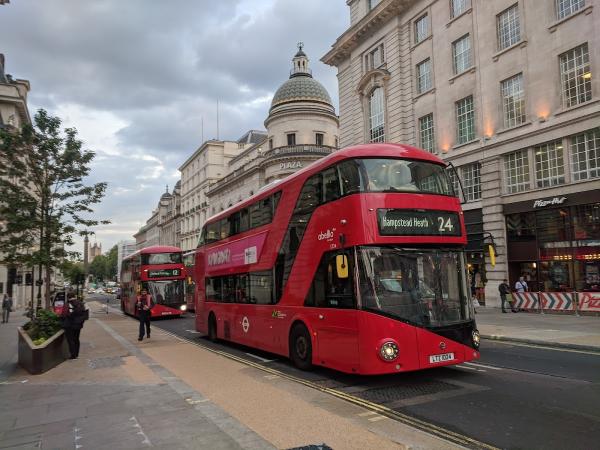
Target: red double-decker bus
pixel 354 263
pixel 160 270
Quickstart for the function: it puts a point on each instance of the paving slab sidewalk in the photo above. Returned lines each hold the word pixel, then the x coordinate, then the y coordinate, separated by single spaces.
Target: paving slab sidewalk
pixel 112 397
pixel 557 330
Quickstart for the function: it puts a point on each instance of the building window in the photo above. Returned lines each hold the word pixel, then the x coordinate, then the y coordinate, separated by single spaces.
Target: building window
pixel 374 58
pixel 549 164
pixel 424 76
pixel 575 76
pixel 319 138
pixel 421 28
pixel 291 139
pixel 461 54
pixel 465 120
pixel 508 27
pixel 457 7
pixel 271 144
pixel 513 101
pixel 516 167
pixel 373 3
pixel 565 8
pixel 585 151
pixel 472 182
pixel 376 116
pixel 426 133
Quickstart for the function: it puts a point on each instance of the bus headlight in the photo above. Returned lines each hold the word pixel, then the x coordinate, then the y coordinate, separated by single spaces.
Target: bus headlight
pixel 389 351
pixel 183 307
pixel 476 338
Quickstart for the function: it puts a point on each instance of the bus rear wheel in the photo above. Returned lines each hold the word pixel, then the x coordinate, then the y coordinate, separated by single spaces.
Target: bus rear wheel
pixel 212 328
pixel 301 347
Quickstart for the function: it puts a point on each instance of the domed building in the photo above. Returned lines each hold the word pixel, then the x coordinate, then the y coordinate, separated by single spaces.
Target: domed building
pixel 302 126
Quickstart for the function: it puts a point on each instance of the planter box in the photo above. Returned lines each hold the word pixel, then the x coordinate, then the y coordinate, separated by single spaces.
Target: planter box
pixel 38 359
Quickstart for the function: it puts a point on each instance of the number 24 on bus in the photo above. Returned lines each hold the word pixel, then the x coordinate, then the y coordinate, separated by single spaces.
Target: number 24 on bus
pixel 355 263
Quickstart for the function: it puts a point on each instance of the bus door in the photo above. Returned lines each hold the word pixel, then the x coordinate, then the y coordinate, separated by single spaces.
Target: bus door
pixel 334 316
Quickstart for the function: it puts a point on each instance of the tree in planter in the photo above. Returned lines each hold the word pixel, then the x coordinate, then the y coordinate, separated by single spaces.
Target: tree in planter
pixel 42 171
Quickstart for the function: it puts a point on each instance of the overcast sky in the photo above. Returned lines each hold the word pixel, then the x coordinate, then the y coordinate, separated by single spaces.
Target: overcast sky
pixel 138 77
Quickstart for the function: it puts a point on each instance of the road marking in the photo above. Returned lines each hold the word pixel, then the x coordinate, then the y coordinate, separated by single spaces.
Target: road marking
pixel 419 424
pixel 193 331
pixel 483 365
pixel 271 377
pixel 195 402
pixel 462 366
pixel 377 418
pixel 259 358
pixel 368 413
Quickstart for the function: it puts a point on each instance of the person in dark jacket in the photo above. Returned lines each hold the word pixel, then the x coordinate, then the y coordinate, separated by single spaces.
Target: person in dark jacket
pixel 504 290
pixel 143 309
pixel 74 314
pixel 7 305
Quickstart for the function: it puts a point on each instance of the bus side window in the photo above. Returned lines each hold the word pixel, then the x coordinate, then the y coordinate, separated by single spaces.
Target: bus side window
pixel 212 232
pixel 234 223
pixel 331 184
pixel 350 177
pixel 202 239
pixel 327 289
pixel 276 197
pixel 244 220
pixel 224 229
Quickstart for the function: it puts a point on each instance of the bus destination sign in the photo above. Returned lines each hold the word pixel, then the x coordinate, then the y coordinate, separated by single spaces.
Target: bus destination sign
pixel 163 273
pixel 402 222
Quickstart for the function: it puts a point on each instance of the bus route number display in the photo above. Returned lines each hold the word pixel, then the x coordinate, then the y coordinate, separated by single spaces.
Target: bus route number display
pixel 402 222
pixel 162 273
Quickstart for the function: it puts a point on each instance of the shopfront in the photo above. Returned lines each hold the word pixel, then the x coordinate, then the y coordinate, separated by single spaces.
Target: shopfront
pixel 555 243
pixel 475 253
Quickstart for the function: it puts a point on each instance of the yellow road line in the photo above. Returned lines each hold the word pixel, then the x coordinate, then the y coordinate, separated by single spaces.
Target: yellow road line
pixel 422 425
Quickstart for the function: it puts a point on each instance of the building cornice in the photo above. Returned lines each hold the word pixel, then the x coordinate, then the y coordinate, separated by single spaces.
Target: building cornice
pixel 352 37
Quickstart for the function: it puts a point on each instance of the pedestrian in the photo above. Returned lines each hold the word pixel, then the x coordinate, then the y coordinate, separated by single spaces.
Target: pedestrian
pixel 7 304
pixel 143 309
pixel 74 315
pixel 521 285
pixel 504 289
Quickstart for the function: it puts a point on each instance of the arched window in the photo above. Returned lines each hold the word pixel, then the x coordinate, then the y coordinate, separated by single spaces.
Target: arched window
pixel 376 116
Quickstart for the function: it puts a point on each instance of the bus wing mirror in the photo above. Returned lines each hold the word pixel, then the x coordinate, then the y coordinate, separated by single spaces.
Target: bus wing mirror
pixel 341 265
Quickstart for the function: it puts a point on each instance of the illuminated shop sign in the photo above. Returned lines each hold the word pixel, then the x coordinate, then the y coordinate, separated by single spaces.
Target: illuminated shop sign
pixel 549 202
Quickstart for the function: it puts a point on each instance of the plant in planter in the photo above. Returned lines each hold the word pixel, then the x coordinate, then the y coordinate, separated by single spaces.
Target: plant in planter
pixel 41 342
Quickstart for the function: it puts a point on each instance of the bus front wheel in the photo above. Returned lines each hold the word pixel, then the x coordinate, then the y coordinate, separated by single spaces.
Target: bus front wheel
pixel 212 328
pixel 301 347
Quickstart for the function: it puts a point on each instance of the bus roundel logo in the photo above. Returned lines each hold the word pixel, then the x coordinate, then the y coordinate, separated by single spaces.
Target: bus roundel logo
pixel 245 324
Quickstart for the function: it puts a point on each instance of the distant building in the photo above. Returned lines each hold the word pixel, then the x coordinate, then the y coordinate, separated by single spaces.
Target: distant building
pixel 94 251
pixel 508 92
pixel 124 249
pixel 169 209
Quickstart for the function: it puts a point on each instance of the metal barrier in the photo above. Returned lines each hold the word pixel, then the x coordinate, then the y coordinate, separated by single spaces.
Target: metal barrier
pixel 589 301
pixel 557 301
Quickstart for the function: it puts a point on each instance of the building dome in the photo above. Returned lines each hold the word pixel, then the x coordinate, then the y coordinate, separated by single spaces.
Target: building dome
pixel 301 87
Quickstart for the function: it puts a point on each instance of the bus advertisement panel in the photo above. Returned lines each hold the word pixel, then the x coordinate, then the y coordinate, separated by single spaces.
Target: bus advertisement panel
pixel 161 271
pixel 354 263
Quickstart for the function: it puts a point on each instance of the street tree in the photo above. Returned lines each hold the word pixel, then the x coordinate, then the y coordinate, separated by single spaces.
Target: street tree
pixel 72 270
pixel 45 198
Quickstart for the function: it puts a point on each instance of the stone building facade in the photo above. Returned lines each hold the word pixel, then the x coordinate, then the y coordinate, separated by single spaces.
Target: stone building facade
pixel 505 90
pixel 302 126
pixel 14 113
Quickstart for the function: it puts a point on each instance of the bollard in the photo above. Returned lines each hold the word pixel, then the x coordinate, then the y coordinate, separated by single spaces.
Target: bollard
pixel 107 300
pixel 540 304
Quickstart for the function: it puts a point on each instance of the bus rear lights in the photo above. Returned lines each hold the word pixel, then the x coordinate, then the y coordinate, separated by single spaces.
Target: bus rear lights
pixel 476 338
pixel 183 307
pixel 389 351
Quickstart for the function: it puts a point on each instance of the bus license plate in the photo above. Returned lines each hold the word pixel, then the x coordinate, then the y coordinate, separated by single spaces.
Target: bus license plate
pixel 441 358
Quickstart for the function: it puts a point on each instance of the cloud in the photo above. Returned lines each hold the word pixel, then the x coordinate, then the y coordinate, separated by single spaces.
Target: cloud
pixel 140 80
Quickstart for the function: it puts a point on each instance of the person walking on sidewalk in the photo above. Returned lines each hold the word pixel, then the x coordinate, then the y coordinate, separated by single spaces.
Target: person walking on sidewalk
pixel 504 289
pixel 143 308
pixel 7 304
pixel 74 314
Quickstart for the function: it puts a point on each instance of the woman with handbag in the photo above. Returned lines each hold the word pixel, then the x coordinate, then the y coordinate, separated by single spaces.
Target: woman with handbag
pixel 74 314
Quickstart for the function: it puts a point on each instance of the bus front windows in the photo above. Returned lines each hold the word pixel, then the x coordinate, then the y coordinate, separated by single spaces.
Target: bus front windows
pixel 161 258
pixel 423 287
pixel 166 292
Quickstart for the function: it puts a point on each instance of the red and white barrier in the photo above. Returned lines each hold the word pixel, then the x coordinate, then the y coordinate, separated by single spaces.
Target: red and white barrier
pixel 589 301
pixel 558 301
pixel 525 300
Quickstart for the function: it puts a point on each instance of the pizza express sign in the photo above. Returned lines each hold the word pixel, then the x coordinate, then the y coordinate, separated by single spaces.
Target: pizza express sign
pixel 549 202
pixel 164 273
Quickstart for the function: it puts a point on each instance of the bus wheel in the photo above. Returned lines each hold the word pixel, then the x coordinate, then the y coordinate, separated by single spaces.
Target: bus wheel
pixel 301 347
pixel 212 328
